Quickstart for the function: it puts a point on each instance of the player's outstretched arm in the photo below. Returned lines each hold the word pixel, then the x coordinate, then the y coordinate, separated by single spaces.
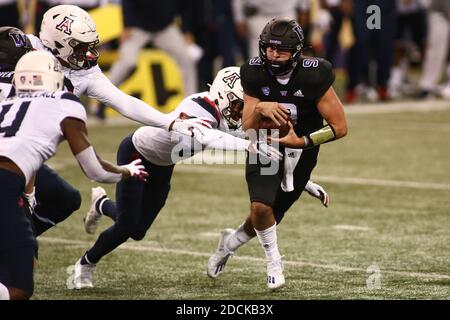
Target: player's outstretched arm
pixel 94 167
pixel 103 90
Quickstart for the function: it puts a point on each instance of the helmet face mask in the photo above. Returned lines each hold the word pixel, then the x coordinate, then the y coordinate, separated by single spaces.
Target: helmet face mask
pixel 232 113
pixel 85 55
pixel 70 33
pixel 284 34
pixel 228 95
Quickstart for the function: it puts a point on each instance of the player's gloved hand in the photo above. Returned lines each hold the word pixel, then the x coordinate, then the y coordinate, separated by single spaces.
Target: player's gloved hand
pixel 265 150
pixel 318 192
pixel 191 127
pixel 136 169
pixel 31 199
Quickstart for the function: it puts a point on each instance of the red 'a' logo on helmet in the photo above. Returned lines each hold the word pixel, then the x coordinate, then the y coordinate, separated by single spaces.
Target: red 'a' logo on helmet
pixel 65 26
pixel 231 79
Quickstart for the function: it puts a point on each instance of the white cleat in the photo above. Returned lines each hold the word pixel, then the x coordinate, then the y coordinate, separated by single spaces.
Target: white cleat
pixel 93 217
pixel 217 262
pixel 275 277
pixel 83 275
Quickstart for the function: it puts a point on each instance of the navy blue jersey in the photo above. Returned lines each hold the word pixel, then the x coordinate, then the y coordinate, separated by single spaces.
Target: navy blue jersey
pixel 6 87
pixel 309 81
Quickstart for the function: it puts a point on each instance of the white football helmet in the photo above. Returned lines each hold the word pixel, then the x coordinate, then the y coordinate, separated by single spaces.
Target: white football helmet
pixel 227 93
pixel 70 33
pixel 38 70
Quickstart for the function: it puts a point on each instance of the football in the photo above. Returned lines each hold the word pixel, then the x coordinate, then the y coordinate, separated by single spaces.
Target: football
pixel 271 126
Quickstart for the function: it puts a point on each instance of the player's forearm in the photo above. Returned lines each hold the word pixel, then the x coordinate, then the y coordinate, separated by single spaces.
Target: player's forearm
pixel 251 121
pixel 103 90
pixel 139 111
pixel 224 141
pixel 97 169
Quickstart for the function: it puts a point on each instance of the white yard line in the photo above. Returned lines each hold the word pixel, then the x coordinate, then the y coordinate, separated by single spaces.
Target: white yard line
pixel 404 106
pixel 391 107
pixel 333 267
pixel 350 227
pixel 334 179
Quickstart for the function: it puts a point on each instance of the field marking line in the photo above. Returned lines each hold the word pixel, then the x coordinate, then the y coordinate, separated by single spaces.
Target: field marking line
pixel 347 227
pixel 360 108
pixel 398 106
pixel 332 267
pixel 320 178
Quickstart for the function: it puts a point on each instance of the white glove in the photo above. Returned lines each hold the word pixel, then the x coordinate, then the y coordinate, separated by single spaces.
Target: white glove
pixel 187 126
pixel 137 170
pixel 318 192
pixel 265 150
pixel 31 199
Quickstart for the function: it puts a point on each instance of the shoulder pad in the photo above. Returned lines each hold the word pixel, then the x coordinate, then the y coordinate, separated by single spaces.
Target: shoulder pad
pixel 69 96
pixel 310 63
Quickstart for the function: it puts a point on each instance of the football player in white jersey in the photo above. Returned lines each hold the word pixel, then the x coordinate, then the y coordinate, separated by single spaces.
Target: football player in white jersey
pixel 70 34
pixel 32 124
pixel 55 199
pixel 138 204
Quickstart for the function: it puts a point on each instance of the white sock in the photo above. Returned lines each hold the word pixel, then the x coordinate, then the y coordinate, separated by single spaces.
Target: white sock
pixel 238 238
pixel 4 292
pixel 268 240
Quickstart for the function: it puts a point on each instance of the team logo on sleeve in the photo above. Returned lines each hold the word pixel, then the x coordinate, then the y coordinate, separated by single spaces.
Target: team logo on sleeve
pixel 266 90
pixel 65 26
pixel 310 63
pixel 230 80
pixel 20 40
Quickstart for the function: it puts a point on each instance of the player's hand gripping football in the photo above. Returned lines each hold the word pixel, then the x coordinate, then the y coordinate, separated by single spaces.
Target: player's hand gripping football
pixel 136 169
pixel 317 191
pixel 274 111
pixel 291 140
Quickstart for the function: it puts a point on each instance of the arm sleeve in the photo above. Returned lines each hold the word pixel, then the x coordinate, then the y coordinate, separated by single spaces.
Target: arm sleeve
pixel 322 79
pixel 216 139
pixel 93 169
pixel 102 89
pixel 246 81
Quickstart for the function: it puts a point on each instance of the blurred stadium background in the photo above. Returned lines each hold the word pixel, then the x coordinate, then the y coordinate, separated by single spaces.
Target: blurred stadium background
pixel 384 236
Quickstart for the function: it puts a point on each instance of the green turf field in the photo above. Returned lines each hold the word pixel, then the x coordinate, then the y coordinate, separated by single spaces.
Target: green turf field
pixel 389 183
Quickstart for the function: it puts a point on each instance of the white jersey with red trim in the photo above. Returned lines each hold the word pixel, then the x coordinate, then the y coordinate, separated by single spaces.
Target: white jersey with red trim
pixel 93 83
pixel 157 145
pixel 30 126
